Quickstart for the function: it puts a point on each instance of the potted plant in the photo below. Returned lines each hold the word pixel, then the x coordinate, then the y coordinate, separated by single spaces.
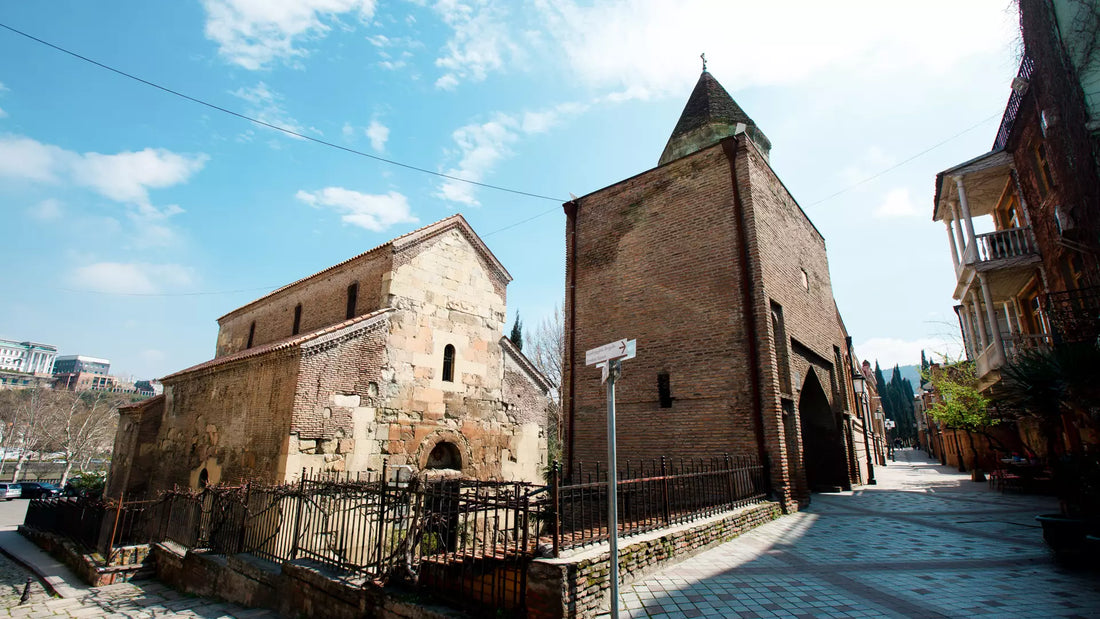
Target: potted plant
pixel 1056 388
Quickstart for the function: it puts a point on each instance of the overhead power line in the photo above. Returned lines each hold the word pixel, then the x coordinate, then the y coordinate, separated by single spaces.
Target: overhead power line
pixel 901 163
pixel 285 130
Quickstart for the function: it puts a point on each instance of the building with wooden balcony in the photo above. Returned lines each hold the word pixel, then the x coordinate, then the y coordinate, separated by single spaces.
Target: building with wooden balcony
pixel 1023 220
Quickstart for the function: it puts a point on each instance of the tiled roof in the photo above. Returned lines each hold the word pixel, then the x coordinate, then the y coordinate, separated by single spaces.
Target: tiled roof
pixel 405 240
pixel 708 103
pixel 141 404
pixel 283 344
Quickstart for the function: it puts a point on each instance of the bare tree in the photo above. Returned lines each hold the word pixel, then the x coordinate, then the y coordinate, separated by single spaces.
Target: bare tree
pixel 29 413
pixel 85 427
pixel 546 350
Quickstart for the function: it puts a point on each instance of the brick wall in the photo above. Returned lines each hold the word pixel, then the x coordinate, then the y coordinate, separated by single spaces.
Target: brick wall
pixel 657 261
pixel 233 420
pixel 579 585
pixel 135 455
pixel 323 300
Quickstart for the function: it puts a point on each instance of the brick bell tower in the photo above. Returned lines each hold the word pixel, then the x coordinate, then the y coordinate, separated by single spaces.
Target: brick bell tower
pixel 693 259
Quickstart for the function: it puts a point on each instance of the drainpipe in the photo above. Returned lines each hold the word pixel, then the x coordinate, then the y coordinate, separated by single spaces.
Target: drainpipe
pixel 730 147
pixel 571 240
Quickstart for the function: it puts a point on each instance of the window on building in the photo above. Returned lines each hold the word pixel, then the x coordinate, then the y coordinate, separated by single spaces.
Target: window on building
pixel 664 390
pixel 297 319
pixel 805 280
pixel 251 334
pixel 1042 170
pixel 353 297
pixel 449 363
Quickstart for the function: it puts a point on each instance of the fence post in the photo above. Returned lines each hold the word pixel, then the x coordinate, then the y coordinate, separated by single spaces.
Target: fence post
pixel 381 513
pixel 555 494
pixel 664 492
pixel 729 480
pixel 244 517
pixel 298 515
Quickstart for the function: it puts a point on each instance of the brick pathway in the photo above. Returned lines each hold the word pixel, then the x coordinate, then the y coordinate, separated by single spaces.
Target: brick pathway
pixel 139 600
pixel 924 542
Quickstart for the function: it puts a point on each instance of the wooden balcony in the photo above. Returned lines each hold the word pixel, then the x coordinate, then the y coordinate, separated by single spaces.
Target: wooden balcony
pixel 1075 314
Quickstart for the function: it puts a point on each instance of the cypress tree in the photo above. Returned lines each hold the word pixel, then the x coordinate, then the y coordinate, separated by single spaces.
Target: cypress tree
pixel 517 332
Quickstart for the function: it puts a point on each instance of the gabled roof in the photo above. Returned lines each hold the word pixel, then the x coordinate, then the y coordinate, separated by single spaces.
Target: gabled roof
pixel 513 351
pixel 396 244
pixel 283 344
pixel 710 114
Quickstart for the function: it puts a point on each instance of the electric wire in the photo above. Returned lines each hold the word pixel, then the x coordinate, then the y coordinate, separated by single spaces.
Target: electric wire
pixel 274 126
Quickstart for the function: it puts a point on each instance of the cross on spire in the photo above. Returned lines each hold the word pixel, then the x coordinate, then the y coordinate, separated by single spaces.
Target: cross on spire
pixel 704 57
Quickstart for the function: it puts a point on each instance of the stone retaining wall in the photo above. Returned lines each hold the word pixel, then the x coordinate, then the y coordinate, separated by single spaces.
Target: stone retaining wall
pixel 578 585
pixel 123 564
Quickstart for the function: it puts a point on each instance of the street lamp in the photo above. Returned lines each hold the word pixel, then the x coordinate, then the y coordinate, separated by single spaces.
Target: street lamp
pixel 859 385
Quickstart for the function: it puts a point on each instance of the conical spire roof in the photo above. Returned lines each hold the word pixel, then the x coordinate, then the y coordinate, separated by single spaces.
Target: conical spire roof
pixel 710 115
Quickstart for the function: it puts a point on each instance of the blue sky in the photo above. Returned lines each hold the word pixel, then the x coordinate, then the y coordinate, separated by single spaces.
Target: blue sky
pixel 132 219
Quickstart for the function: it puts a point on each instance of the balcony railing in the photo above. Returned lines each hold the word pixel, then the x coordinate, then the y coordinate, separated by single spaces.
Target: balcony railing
pixel 1075 314
pixel 1022 342
pixel 1013 106
pixel 1003 244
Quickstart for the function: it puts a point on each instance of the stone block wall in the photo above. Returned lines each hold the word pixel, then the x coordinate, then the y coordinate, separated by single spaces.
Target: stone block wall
pixel 579 585
pixel 231 420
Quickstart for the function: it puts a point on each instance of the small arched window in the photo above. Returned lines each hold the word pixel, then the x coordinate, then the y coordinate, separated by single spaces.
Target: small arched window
pixel 449 363
pixel 297 319
pixel 353 297
pixel 251 334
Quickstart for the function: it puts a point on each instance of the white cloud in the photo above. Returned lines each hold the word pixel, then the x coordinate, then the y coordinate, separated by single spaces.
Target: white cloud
pixel 375 212
pixel 378 134
pixel 482 146
pixel 897 203
pixel 131 278
pixel 46 210
pixel 266 106
pixel 890 351
pixel 3 114
pixel 644 49
pixel 348 131
pixel 128 176
pixel 480 44
pixel 28 159
pixel 255 33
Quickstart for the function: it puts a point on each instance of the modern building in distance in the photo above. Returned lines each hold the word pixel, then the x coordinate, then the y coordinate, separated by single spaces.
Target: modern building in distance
pixel 27 357
pixel 711 265
pixel 73 364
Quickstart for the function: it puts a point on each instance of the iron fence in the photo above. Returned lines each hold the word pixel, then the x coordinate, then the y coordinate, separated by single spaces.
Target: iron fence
pixel 469 541
pixel 651 495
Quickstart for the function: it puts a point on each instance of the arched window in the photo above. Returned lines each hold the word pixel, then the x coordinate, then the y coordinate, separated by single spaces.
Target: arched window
pixel 251 333
pixel 449 363
pixel 297 319
pixel 444 456
pixel 204 479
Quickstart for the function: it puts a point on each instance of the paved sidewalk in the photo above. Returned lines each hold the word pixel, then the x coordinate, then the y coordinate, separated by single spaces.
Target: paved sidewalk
pixel 924 542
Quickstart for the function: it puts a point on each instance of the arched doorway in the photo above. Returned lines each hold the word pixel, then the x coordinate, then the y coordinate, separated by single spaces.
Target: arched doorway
pixel 444 455
pixel 822 444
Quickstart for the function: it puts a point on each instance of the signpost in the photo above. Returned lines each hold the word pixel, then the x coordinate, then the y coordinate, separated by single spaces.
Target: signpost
pixel 609 358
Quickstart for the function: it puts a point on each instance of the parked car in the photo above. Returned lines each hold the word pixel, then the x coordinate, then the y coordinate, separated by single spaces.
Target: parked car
pixel 38 490
pixel 10 491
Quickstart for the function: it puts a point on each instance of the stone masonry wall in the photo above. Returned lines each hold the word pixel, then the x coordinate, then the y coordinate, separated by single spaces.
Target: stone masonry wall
pixel 447 294
pixel 335 405
pixel 323 300
pixel 232 420
pixel 657 260
pixel 579 586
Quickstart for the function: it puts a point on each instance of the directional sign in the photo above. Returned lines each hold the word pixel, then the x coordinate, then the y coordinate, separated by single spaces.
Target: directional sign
pixel 622 349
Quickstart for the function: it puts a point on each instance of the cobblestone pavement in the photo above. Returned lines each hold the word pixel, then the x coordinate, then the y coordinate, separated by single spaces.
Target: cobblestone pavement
pixel 924 542
pixel 138 600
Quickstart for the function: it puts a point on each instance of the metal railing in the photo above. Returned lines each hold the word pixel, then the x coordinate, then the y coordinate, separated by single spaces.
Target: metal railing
pixel 469 541
pixel 1013 106
pixel 652 494
pixel 1004 244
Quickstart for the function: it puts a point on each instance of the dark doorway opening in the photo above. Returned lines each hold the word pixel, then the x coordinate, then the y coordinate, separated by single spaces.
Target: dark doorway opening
pixel 822 442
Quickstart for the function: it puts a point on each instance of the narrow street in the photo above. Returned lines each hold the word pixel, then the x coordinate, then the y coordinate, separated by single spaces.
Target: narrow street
pixel 924 542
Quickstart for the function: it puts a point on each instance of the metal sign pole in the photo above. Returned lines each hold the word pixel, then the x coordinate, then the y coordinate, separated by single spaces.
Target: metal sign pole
pixel 614 368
